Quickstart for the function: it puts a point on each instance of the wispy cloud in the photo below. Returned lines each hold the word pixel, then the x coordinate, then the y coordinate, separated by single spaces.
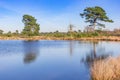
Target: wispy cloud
pixel 51 14
pixel 49 20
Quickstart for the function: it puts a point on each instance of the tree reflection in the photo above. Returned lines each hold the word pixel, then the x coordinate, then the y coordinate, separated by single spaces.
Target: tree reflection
pixel 71 48
pixel 95 55
pixel 29 57
pixel 31 49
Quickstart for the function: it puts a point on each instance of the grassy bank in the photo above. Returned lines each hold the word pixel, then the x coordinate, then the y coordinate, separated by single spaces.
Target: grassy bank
pixel 98 38
pixel 102 36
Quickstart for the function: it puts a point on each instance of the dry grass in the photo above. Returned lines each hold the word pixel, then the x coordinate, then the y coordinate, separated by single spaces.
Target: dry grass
pixel 102 38
pixel 108 69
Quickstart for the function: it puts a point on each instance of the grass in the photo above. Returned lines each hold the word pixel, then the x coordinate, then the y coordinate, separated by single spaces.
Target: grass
pixel 108 69
pixel 97 35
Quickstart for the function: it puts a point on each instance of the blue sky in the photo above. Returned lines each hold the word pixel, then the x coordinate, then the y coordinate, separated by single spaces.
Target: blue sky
pixel 54 15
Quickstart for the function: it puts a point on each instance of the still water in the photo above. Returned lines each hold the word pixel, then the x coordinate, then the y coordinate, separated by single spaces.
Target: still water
pixel 52 60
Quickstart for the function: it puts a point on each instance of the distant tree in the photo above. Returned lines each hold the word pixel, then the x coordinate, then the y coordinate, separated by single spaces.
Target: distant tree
pixel 75 31
pixel 56 31
pixel 116 30
pixel 1 31
pixel 79 31
pixel 94 15
pixel 70 28
pixel 9 34
pixel 31 27
pixel 88 29
pixel 17 32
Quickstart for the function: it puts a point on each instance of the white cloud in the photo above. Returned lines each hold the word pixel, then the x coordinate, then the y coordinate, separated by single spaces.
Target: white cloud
pixel 49 21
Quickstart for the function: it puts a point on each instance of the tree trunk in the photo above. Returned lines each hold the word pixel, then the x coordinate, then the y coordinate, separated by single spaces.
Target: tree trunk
pixel 94 23
pixel 94 50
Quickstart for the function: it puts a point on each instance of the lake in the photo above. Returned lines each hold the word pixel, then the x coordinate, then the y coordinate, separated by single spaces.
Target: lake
pixel 52 60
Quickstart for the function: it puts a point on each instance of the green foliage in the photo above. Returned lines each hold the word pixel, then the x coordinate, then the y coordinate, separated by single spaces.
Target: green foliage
pixel 1 31
pixel 95 34
pixel 85 34
pixel 95 14
pixel 9 34
pixel 72 34
pixel 31 27
pixel 58 35
pixel 17 32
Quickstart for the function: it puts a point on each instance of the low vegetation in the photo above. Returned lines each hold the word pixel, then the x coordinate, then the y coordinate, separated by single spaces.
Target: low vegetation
pixel 96 35
pixel 108 69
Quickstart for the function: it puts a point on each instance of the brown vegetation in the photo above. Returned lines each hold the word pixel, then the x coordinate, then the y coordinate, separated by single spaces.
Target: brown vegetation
pixel 108 69
pixel 102 38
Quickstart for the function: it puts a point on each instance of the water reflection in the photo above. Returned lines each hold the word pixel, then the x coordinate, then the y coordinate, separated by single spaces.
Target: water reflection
pixel 95 54
pixel 71 47
pixel 55 61
pixel 31 50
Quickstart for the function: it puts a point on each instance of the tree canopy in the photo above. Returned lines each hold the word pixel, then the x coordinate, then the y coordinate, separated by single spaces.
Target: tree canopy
pixel 31 27
pixel 94 15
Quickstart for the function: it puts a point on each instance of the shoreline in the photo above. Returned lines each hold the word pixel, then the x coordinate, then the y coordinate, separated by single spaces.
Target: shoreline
pixel 101 38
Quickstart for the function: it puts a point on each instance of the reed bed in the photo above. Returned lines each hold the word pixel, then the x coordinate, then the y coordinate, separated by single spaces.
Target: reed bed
pixel 108 69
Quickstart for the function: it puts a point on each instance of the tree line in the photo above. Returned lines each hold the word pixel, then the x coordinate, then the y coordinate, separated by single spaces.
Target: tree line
pixel 93 15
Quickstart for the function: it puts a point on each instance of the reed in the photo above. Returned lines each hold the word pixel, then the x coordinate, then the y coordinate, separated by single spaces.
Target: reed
pixel 108 69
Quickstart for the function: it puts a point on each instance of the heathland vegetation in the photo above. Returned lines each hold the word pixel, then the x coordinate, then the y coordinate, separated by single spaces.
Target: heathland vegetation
pixel 93 15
